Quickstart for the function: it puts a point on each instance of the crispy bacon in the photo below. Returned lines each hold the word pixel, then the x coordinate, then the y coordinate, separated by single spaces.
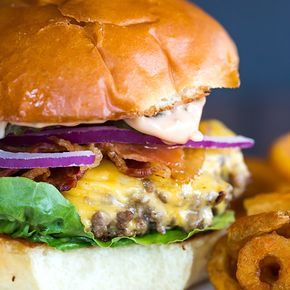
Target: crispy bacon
pixel 134 160
pixel 8 172
pixel 138 169
pixel 65 178
pixel 68 146
pixel 62 178
pixel 37 174
pixel 181 164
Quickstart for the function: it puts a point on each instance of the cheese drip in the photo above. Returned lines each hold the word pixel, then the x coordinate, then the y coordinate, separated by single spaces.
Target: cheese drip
pixel 176 126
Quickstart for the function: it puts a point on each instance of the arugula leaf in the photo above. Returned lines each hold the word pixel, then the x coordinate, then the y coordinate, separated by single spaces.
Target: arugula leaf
pixel 38 212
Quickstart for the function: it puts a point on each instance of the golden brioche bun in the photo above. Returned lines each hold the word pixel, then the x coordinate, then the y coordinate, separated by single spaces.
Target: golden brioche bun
pixel 86 60
pixel 173 267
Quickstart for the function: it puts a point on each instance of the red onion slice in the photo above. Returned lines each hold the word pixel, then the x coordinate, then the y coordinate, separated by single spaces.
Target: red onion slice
pixel 109 134
pixel 45 160
pixel 222 142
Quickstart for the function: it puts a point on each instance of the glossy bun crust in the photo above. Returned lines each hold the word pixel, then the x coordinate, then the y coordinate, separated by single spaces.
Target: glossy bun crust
pixel 87 60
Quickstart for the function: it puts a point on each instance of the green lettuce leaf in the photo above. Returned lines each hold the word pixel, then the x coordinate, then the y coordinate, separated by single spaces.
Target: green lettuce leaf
pixel 39 212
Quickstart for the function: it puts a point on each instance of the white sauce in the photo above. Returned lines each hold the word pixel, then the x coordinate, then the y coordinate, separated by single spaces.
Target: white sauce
pixel 2 129
pixel 43 125
pixel 175 126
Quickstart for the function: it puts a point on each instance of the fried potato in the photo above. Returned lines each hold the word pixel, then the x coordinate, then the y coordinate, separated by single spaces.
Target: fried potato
pixel 246 259
pixel 267 203
pixel 264 178
pixel 248 227
pixel 283 187
pixel 280 155
pixel 220 268
pixel 264 263
pixel 256 252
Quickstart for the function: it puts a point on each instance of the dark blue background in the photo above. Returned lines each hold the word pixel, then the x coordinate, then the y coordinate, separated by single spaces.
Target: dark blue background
pixel 261 107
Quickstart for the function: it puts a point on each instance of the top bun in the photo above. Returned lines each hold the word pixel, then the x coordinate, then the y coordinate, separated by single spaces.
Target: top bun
pixel 79 61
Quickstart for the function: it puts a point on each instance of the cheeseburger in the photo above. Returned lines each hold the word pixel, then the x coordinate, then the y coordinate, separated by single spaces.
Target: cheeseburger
pixel 108 178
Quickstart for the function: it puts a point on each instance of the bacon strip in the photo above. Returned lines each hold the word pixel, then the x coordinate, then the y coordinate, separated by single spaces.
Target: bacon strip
pixel 62 178
pixel 8 172
pixel 181 164
pixel 65 178
pixel 134 160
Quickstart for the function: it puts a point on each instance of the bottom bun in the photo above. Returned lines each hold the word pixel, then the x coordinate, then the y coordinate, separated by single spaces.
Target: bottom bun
pixel 172 267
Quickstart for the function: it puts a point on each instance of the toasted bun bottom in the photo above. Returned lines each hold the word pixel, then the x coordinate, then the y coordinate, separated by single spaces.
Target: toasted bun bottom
pixel 171 267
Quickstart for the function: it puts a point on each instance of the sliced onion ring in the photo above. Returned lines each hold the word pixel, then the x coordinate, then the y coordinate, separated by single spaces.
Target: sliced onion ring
pixel 11 160
pixel 109 134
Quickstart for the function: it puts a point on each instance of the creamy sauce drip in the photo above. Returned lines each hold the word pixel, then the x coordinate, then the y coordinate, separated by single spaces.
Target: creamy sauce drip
pixel 177 126
pixel 43 125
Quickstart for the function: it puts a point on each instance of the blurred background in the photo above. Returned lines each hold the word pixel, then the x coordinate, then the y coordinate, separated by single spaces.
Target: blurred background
pixel 261 107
